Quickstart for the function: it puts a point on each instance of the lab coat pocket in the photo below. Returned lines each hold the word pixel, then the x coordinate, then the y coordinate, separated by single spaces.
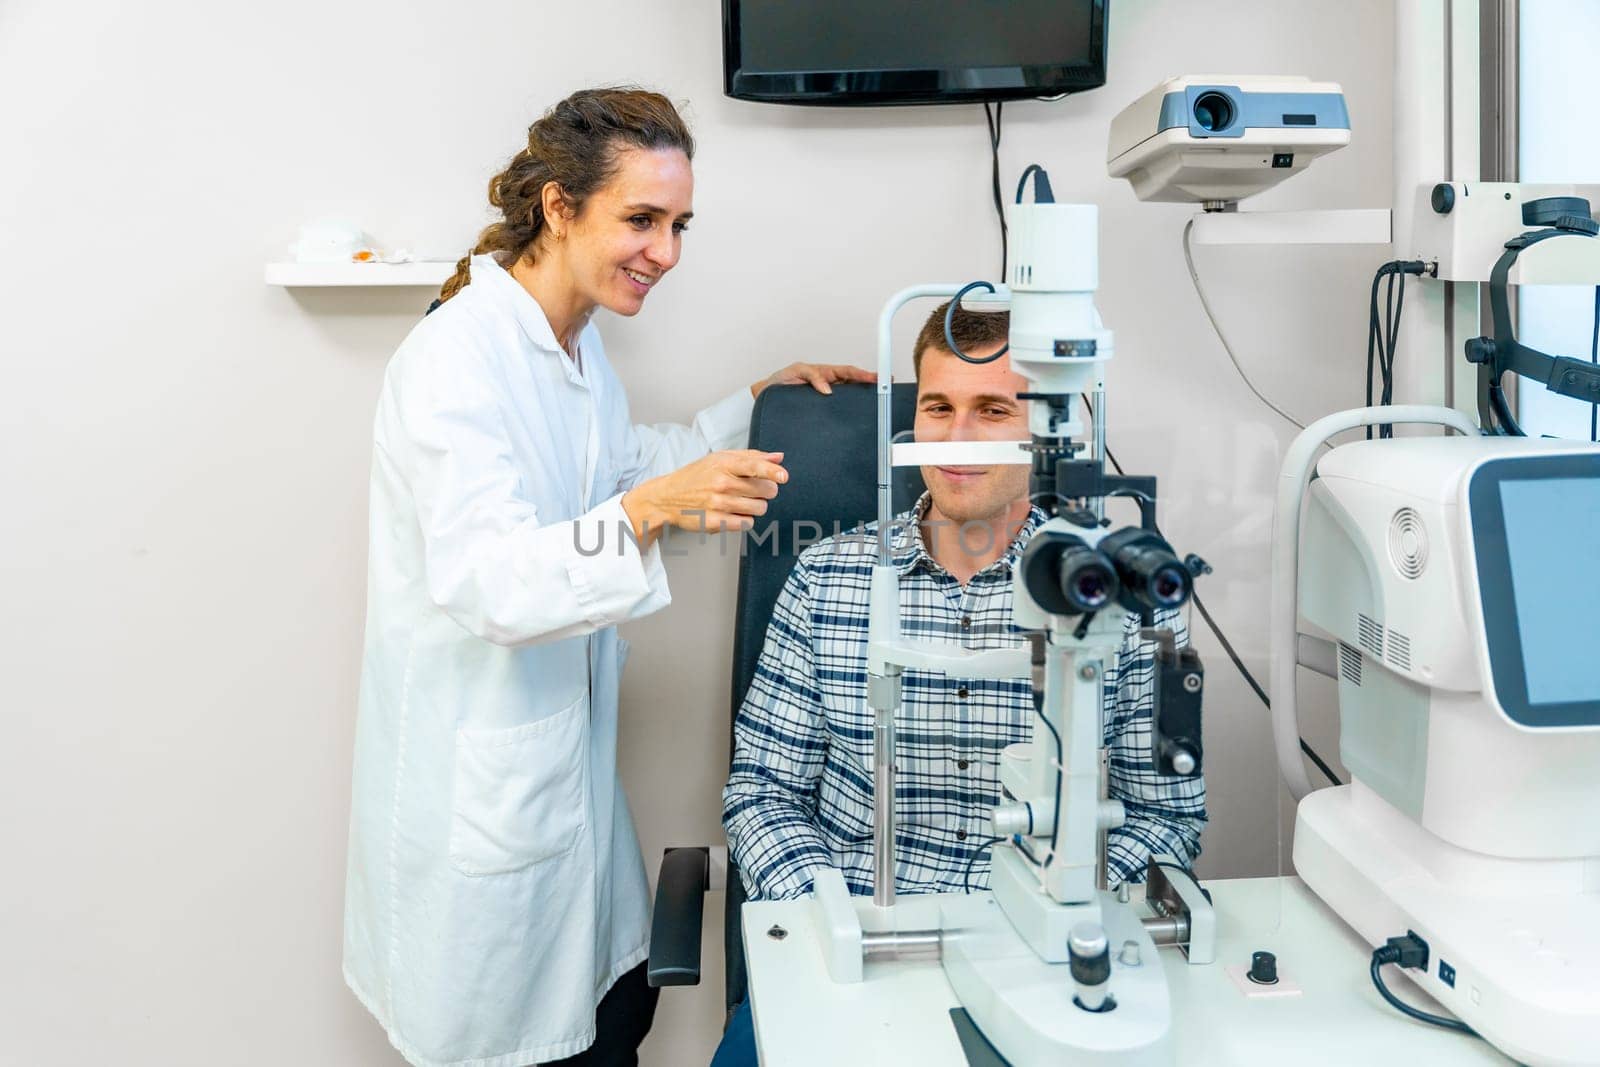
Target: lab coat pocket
pixel 519 792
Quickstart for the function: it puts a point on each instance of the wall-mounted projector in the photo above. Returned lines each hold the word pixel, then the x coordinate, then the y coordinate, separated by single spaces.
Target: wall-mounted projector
pixel 1216 139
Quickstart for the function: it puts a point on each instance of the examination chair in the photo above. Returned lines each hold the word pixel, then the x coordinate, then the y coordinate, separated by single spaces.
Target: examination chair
pixel 830 450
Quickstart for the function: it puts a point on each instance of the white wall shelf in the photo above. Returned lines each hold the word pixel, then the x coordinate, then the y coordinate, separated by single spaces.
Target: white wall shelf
pixel 1360 226
pixel 423 273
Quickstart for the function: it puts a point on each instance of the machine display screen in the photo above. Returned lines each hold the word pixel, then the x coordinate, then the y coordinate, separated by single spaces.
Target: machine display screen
pixel 1556 583
pixel 1536 528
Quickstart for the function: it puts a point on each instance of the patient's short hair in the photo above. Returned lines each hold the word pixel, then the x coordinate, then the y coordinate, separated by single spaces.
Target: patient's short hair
pixel 971 329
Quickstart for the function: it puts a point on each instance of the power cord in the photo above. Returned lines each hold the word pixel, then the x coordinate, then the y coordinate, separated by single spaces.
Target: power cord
pixel 1410 952
pixel 1383 336
pixel 1194 276
pixel 1594 357
pixel 1505 423
pixel 983 846
pixel 1227 646
pixel 994 148
pixel 1061 755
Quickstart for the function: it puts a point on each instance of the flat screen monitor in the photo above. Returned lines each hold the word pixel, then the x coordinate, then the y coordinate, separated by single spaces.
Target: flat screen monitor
pixel 1536 529
pixel 873 52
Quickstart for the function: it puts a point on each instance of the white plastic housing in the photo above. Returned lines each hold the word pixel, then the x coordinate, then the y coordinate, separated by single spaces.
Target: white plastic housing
pixel 1024 1005
pixel 1173 166
pixel 1419 721
pixel 1513 945
pixel 1052 278
pixel 1467 240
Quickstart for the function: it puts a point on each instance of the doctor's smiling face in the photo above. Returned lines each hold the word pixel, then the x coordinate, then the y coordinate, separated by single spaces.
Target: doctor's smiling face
pixel 629 232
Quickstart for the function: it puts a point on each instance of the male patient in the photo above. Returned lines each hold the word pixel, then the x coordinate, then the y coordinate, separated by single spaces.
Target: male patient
pixel 799 796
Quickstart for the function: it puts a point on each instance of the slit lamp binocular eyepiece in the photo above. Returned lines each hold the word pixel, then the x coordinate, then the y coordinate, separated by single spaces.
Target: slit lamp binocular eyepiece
pixel 1067 575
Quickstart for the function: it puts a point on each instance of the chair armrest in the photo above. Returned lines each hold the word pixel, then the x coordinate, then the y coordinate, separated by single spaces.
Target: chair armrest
pixel 680 908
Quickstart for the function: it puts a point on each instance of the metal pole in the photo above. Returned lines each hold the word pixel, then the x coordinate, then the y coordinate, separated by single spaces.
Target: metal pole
pixel 1100 441
pixel 1102 866
pixel 905 945
pixel 1166 929
pixel 883 749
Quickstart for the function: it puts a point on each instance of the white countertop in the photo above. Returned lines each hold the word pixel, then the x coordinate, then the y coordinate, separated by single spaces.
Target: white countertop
pixel 899 1013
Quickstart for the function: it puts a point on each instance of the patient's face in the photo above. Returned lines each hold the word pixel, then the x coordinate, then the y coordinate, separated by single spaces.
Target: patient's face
pixel 960 401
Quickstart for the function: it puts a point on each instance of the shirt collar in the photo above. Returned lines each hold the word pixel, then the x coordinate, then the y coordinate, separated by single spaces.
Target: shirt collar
pixel 508 293
pixel 911 551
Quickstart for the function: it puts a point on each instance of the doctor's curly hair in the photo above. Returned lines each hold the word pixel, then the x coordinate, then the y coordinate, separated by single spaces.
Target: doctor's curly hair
pixel 575 144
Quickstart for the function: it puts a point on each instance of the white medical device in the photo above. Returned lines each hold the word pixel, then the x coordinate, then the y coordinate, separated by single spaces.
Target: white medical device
pixel 1216 139
pixel 1460 578
pixel 1033 961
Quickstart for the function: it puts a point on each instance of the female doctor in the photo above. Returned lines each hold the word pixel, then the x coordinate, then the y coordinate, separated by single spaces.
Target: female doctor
pixel 496 910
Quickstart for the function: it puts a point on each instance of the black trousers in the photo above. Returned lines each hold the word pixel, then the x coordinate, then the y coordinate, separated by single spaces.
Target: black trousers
pixel 620 1024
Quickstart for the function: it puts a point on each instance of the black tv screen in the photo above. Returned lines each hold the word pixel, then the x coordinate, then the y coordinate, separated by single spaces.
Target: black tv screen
pixel 871 52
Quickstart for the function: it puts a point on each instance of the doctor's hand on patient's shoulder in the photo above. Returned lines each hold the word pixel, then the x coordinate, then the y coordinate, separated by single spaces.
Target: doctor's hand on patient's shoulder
pixel 723 491
pixel 821 376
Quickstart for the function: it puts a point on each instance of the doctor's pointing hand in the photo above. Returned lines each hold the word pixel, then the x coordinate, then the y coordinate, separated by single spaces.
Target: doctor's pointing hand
pixel 496 910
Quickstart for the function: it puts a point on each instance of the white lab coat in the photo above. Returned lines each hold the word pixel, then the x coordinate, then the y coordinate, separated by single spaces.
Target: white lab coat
pixel 495 888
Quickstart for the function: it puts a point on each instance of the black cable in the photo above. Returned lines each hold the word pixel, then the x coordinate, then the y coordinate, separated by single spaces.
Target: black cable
pixel 982 847
pixel 1594 357
pixel 1387 430
pixel 1389 954
pixel 1383 333
pixel 1061 755
pixel 1501 407
pixel 1227 646
pixel 1372 337
pixel 949 336
pixel 1174 867
pixel 994 149
pixel 1386 354
pixel 1042 193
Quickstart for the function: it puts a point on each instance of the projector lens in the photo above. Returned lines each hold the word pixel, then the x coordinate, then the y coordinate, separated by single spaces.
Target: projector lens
pixel 1213 112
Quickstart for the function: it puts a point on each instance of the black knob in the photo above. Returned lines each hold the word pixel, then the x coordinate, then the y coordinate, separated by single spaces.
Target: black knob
pixel 1089 953
pixel 1444 198
pixel 1263 968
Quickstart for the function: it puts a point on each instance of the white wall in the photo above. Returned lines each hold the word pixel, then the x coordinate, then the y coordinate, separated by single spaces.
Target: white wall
pixel 185 449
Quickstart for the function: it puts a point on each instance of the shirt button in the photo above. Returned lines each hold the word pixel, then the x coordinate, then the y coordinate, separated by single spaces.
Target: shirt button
pixel 966 622
pixel 961 835
pixel 962 692
pixel 961 764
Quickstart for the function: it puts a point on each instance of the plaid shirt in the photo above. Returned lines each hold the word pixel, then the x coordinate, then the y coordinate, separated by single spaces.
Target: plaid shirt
pixel 799 796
